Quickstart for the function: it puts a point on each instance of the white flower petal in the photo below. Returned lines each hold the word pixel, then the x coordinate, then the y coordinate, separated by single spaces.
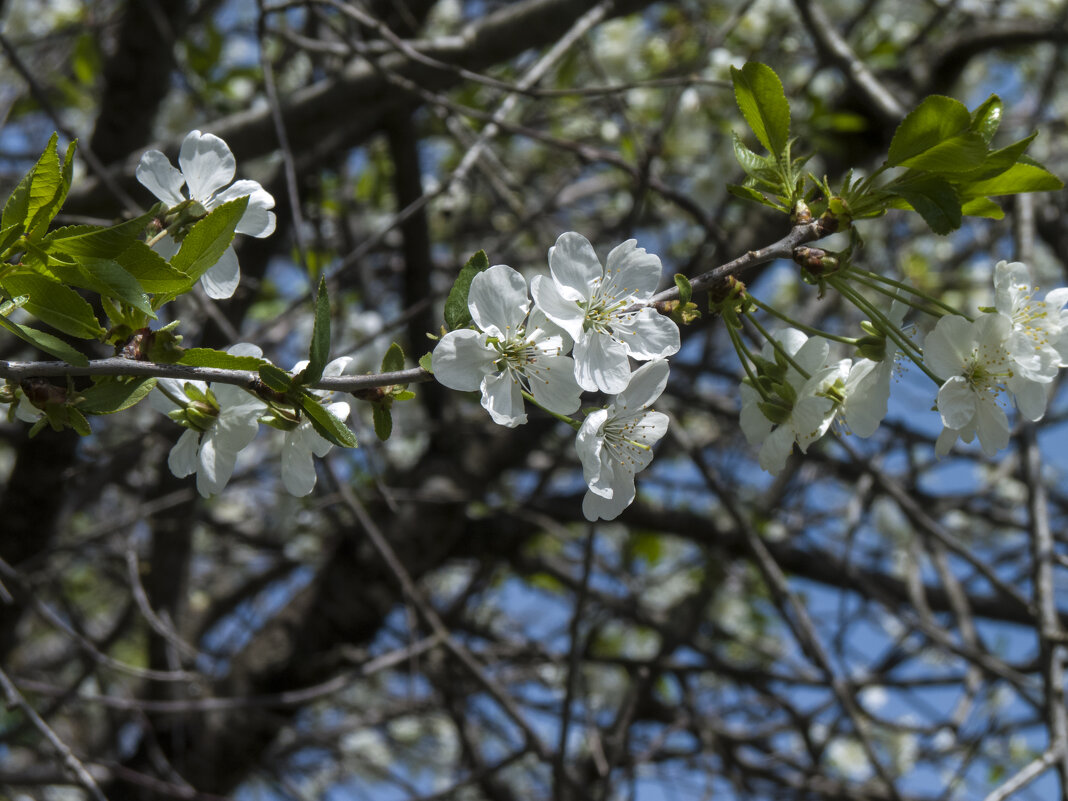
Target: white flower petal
pixel 183 456
pixel 596 507
pixel 956 402
pixel 574 265
pixel 601 363
pixel 632 272
pixel 257 221
pixel 207 163
pixel 552 382
pixel 589 442
pixel 462 359
pixel 993 427
pixel 155 173
pixel 502 397
pixel 565 312
pixel 949 345
pixel 645 385
pixel 776 450
pixel 221 279
pixel 298 467
pixel 498 301
pixel 648 334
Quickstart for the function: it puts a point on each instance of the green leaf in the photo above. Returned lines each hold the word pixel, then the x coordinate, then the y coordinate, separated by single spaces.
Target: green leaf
pixel 55 304
pixel 106 277
pixel 112 394
pixel 275 377
pixel 934 121
pixel 152 271
pixel 208 239
pixel 45 183
pixel 52 190
pixel 760 167
pixel 17 206
pixel 987 117
pixel 1018 178
pixel 328 426
pixel 982 207
pixel 383 420
pixel 995 163
pixel 748 193
pixel 457 314
pixel 760 97
pixel 934 199
pixel 403 395
pixel 393 361
pixel 685 290
pixel 44 341
pixel 426 361
pixel 220 360
pixel 92 241
pixel 319 352
pixel 956 154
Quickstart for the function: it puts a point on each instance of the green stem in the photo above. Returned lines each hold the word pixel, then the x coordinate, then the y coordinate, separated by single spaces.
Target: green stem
pixel 745 357
pixel 563 418
pixel 157 237
pixel 777 346
pixel 874 279
pixel 815 332
pixel 907 346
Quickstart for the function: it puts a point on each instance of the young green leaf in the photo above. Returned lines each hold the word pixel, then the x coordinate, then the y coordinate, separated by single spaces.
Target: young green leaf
pixel 275 377
pixel 987 117
pixel 101 243
pixel 326 424
pixel 220 360
pixel 46 342
pixel 393 361
pixel 760 97
pixel 152 271
pixel 383 420
pixel 1019 178
pixel 106 277
pixel 112 394
pixel 51 188
pixel 982 207
pixel 685 290
pixel 208 239
pixel 935 121
pixel 55 304
pixel 747 193
pixel 319 352
pixel 426 361
pixel 934 199
pixel 457 315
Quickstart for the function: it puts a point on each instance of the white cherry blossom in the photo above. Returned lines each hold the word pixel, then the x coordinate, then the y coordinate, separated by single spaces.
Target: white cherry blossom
pixel 615 443
pixel 590 302
pixel 867 387
pixel 207 165
pixel 802 418
pixel 300 444
pixel 1038 341
pixel 511 352
pixel 228 421
pixel 973 358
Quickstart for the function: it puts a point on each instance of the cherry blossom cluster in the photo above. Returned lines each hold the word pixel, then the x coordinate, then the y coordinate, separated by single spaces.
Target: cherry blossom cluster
pixel 586 323
pixel 222 419
pixel 797 388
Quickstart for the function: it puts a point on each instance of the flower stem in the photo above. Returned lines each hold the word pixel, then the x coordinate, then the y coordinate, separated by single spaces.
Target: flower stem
pixel 907 346
pixel 778 346
pixel 563 418
pixel 874 279
pixel 745 357
pixel 851 341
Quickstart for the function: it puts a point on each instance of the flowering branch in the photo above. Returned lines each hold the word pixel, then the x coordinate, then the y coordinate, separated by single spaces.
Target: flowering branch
pixel 118 366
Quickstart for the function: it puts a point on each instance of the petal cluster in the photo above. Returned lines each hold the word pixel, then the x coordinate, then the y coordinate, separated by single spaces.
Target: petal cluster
pixel 594 304
pixel 616 442
pixel 513 350
pixel 223 421
pixel 207 168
